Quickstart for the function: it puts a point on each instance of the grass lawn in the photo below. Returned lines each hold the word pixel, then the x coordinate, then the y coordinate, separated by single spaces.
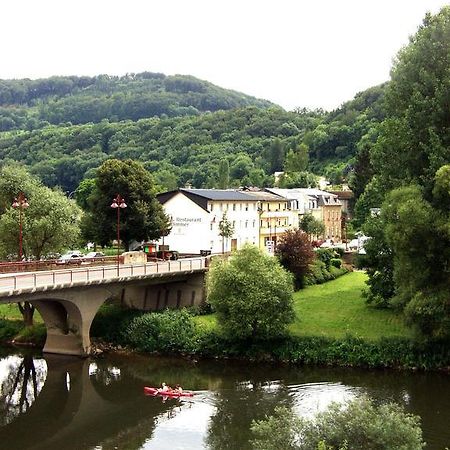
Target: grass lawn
pixel 11 312
pixel 336 309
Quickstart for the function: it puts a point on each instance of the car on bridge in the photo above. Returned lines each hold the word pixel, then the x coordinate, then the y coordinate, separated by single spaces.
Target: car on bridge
pixel 72 257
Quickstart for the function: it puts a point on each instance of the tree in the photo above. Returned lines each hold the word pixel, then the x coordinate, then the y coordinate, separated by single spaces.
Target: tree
pixel 415 139
pixel 83 191
pixel 226 230
pixel 311 226
pixel 297 159
pixel 276 156
pixel 143 218
pixel 296 254
pixel 294 180
pixel 224 174
pixel 49 225
pixel 360 425
pixel 251 294
pixel 421 277
pixel 412 147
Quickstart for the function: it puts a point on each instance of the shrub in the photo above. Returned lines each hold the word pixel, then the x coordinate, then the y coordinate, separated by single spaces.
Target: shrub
pixel 169 331
pixel 336 262
pixel 251 294
pixel 358 425
pixel 326 255
pixel 111 321
pixel 9 329
pixel 295 254
pixel 319 273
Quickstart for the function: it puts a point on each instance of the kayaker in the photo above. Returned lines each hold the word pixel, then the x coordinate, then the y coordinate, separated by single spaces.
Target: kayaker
pixel 164 388
pixel 178 388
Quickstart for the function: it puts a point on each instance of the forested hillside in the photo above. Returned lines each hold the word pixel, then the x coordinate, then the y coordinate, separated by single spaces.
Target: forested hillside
pixel 180 150
pixel 30 104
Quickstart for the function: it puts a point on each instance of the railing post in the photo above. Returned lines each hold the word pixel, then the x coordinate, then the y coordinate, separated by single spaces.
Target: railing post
pixel 169 265
pixel 15 282
pixel 87 274
pixel 132 270
pixel 35 280
pixel 191 263
pixel 54 277
pixel 71 275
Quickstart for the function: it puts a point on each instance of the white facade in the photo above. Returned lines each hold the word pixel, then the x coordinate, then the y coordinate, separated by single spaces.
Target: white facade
pixel 195 229
pixel 190 225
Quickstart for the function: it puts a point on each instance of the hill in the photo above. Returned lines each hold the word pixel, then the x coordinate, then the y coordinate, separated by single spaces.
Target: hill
pixel 31 104
pixel 187 148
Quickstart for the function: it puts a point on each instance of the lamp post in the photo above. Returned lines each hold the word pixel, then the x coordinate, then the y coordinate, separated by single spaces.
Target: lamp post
pixel 118 204
pixel 20 202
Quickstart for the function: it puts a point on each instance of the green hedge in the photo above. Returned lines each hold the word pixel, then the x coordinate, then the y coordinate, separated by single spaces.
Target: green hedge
pixel 320 272
pixel 174 331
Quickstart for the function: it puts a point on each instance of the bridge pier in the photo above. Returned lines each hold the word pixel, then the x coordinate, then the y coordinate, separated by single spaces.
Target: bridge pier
pixel 68 321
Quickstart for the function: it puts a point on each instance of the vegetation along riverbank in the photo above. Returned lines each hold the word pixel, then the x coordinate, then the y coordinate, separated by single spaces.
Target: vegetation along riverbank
pixel 332 326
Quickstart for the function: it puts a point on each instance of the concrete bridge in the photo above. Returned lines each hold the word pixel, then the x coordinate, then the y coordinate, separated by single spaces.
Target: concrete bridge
pixel 69 299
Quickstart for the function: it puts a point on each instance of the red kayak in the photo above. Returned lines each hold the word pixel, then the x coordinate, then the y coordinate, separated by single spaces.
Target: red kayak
pixel 174 394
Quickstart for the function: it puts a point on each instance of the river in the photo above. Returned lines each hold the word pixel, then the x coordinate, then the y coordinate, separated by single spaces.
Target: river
pixel 54 402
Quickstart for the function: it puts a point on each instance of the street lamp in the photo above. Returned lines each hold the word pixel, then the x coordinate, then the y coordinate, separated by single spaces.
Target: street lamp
pixel 118 203
pixel 20 202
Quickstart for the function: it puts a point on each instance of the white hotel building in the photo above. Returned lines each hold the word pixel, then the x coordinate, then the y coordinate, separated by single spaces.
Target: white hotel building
pixel 196 214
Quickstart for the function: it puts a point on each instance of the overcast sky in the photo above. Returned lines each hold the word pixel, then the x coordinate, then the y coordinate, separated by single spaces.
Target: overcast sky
pixel 313 53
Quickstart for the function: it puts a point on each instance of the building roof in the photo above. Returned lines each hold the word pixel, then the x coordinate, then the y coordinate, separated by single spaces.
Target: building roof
pixel 220 194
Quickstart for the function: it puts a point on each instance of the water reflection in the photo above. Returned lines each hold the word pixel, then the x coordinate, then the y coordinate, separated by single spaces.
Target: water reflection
pixel 84 404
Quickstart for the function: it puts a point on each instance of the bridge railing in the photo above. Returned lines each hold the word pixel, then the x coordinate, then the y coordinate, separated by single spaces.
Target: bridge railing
pixel 52 278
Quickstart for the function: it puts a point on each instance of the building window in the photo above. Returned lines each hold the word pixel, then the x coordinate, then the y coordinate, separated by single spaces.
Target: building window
pixel 234 223
pixel 234 206
pixel 240 206
pixel 246 206
pixel 254 223
pixel 246 224
pixel 211 206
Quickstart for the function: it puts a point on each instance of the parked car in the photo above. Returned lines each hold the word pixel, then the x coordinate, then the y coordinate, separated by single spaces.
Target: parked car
pixel 72 257
pixel 95 255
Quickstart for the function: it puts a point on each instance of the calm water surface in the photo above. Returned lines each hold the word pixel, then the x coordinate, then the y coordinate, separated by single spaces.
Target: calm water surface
pixel 67 403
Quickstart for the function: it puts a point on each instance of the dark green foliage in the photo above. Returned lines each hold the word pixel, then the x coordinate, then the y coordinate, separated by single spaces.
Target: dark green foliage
pixel 176 333
pixel 251 294
pixel 326 255
pixel 312 226
pixel 142 219
pixel 9 329
pixel 171 331
pixel 360 424
pixel 177 151
pixel 336 262
pixel 111 322
pixel 28 104
pixel 320 272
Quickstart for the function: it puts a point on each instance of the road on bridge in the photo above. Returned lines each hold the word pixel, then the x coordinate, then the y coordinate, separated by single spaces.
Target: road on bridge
pixel 54 278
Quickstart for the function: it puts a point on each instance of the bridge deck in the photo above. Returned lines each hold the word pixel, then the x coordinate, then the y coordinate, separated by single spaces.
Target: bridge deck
pixel 18 283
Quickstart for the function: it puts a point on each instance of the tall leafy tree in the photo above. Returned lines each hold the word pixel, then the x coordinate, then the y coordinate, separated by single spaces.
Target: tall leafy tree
pixel 252 295
pixel 49 224
pixel 224 174
pixel 143 218
pixel 409 159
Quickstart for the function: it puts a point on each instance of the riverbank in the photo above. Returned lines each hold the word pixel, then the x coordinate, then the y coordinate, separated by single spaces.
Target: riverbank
pixel 333 327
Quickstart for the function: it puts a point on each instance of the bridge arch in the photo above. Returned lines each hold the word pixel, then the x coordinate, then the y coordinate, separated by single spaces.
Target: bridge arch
pixel 68 317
